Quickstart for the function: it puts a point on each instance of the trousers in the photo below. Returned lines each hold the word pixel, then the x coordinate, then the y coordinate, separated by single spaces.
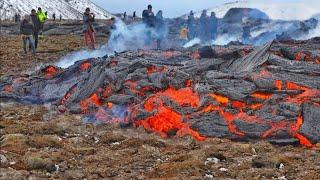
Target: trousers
pixel 28 40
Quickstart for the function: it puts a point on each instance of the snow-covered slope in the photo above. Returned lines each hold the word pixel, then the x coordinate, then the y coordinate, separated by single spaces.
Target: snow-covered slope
pixel 275 10
pixel 69 9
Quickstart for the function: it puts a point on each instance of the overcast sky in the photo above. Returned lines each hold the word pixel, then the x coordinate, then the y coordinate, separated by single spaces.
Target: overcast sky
pixel 172 8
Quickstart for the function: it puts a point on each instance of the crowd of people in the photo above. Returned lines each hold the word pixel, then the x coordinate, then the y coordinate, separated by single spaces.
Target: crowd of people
pixel 205 28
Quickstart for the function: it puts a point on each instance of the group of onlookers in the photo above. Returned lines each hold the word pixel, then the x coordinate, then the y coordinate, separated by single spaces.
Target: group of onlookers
pixel 31 28
pixel 205 28
pixel 155 22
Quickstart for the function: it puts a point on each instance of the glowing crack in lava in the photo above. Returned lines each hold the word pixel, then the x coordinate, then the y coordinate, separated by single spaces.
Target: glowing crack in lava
pixel 165 118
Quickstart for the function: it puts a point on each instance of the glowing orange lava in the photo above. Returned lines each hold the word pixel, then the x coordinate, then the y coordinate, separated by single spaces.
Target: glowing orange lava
pixel 298 56
pixel 294 86
pixel 50 71
pixel 166 120
pixel 295 128
pixel 278 84
pixel 84 66
pixel 219 98
pixel 8 88
pixel 261 95
pixel 238 104
pixel 93 99
pixel 188 83
pixel 153 69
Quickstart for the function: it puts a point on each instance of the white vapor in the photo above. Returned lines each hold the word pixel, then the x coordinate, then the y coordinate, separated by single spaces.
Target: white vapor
pixel 123 37
pixel 192 42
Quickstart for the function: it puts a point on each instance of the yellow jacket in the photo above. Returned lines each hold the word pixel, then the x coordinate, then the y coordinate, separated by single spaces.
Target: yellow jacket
pixel 41 16
pixel 184 33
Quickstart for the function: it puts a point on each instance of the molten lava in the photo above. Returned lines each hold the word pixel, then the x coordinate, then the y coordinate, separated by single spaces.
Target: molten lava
pixel 219 98
pixel 261 95
pixel 92 100
pixel 278 84
pixel 85 66
pixel 8 88
pixel 153 69
pixel 50 71
pixel 166 120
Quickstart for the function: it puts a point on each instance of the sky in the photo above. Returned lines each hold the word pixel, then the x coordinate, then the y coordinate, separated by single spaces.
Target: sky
pixel 172 8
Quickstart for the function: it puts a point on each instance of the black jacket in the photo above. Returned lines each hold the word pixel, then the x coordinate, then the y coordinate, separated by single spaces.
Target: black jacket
pixel 148 18
pixel 26 28
pixel 35 22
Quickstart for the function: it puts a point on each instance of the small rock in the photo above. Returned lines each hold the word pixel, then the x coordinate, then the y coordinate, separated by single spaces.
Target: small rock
pixel 12 163
pixel 261 161
pixel 115 143
pixel 281 166
pixel 213 160
pixel 3 160
pixel 208 176
pixel 282 178
pixel 96 139
pixel 223 169
pixel 57 167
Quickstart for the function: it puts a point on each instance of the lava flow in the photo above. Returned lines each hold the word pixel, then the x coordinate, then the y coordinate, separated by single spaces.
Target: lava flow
pixel 231 92
pixel 165 119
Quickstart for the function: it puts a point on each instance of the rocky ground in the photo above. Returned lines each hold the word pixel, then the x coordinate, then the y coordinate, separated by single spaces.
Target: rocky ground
pixel 36 143
pixel 50 49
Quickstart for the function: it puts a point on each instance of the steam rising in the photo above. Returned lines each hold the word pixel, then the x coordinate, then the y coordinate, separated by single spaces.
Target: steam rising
pixel 123 37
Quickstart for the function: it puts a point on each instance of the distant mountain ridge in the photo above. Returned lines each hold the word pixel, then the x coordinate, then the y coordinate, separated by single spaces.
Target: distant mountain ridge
pixel 69 9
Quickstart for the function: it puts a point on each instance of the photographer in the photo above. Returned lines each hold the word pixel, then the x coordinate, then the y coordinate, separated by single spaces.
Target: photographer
pixel 88 19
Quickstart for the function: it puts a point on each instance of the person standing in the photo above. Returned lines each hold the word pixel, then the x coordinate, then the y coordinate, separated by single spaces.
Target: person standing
pixel 134 16
pixel 88 19
pixel 54 16
pixel 42 18
pixel 204 25
pixel 15 17
pixel 124 16
pixel 60 17
pixel 160 28
pixel 36 25
pixel 26 31
pixel 213 24
pixel 148 17
pixel 191 26
pixel 183 35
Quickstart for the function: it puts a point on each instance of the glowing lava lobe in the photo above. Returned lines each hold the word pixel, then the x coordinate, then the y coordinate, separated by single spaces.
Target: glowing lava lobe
pixel 93 99
pixel 85 66
pixel 166 120
pixel 50 71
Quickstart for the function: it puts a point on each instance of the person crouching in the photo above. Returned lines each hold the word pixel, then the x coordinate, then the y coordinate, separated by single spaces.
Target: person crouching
pixel 27 31
pixel 88 19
